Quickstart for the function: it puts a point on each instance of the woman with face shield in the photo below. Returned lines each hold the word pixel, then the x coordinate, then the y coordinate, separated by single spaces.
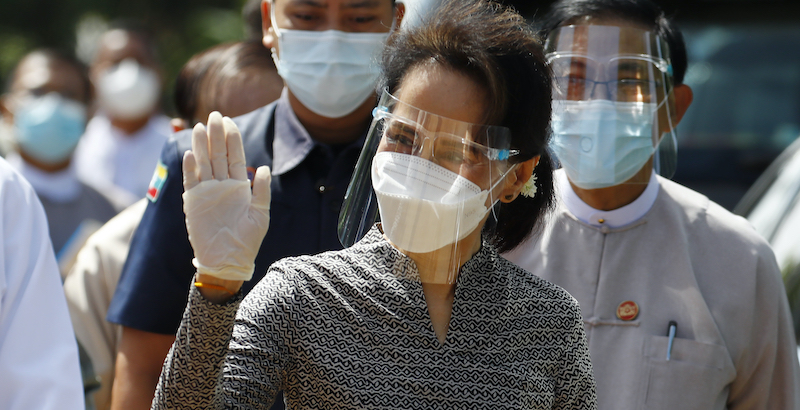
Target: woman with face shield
pixel 420 311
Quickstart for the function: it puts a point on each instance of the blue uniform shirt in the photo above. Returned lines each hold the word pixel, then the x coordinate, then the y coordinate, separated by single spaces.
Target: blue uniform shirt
pixel 309 180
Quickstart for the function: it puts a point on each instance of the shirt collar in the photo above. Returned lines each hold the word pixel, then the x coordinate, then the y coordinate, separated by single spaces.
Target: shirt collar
pixel 291 143
pixel 615 218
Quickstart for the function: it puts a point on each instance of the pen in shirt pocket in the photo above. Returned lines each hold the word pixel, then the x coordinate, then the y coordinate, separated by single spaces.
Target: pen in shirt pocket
pixel 671 330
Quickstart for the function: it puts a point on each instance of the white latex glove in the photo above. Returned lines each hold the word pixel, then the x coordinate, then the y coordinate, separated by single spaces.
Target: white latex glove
pixel 226 223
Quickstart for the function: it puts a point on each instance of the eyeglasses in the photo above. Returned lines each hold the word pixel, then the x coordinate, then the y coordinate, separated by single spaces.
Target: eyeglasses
pixel 626 89
pixel 630 77
pixel 446 149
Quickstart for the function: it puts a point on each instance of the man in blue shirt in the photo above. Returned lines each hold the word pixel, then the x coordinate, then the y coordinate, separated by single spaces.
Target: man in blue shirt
pixel 310 137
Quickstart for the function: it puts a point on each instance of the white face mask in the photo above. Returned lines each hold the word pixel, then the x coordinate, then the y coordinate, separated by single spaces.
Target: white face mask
pixel 601 143
pixel 128 90
pixel 424 206
pixel 331 72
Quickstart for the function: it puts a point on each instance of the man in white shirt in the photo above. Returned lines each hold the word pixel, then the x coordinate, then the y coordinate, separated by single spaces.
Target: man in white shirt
pixel 123 140
pixel 38 353
pixel 682 301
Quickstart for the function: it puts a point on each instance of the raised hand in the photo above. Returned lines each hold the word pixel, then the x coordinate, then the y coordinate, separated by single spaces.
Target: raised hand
pixel 226 223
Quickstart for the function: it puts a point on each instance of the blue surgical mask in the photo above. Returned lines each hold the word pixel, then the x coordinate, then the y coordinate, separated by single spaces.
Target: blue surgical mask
pixel 48 128
pixel 331 72
pixel 602 143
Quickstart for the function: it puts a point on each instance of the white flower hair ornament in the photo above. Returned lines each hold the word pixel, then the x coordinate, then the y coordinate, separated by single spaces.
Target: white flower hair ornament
pixel 529 189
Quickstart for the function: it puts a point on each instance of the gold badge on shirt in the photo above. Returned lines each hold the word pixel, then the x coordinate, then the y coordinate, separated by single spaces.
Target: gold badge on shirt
pixel 627 310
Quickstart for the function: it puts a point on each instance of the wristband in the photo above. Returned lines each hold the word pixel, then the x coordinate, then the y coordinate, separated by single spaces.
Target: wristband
pixel 211 286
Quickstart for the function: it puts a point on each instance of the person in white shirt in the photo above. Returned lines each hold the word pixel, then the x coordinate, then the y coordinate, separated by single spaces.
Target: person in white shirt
pixel 123 140
pixel 682 301
pixel 38 353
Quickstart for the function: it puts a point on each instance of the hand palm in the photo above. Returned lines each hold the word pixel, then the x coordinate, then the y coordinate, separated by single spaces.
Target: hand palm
pixel 226 224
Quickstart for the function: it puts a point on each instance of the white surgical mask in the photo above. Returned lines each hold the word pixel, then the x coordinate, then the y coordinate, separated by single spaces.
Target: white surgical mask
pixel 128 90
pixel 331 72
pixel 48 128
pixel 424 206
pixel 601 143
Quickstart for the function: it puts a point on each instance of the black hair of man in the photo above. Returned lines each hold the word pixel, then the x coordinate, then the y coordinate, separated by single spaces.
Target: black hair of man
pixel 141 32
pixel 56 55
pixel 204 72
pixel 251 17
pixel 642 12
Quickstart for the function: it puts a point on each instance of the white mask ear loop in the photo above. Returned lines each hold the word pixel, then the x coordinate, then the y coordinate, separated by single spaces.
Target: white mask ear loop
pixel 272 19
pixel 275 28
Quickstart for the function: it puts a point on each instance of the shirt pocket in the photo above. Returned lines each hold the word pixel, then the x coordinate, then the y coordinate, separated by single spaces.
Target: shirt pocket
pixel 696 376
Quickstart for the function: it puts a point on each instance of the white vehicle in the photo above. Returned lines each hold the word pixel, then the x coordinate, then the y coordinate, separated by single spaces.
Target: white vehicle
pixel 772 205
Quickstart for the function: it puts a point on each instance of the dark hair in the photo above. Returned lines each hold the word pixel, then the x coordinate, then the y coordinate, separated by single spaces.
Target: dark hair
pixel 251 17
pixel 63 57
pixel 141 32
pixel 493 46
pixel 207 69
pixel 643 12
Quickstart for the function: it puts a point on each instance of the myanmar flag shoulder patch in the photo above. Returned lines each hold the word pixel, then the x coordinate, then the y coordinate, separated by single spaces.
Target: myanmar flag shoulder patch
pixel 157 183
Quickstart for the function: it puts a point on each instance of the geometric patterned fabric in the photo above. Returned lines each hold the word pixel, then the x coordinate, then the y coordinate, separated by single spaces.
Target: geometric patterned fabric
pixel 350 330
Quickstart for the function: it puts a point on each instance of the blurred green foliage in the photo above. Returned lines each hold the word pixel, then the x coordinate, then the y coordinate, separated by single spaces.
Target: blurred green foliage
pixel 181 27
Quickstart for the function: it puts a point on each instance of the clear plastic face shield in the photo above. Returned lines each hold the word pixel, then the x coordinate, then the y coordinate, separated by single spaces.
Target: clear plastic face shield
pixel 433 180
pixel 613 104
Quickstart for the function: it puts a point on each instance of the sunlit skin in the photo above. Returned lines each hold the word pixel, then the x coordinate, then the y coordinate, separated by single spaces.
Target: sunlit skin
pixel 617 196
pixel 38 75
pixel 369 16
pixel 115 46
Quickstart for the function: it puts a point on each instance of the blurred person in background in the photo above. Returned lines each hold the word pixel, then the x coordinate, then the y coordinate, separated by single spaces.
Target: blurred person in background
pixel 682 301
pixel 233 78
pixel 46 104
pixel 123 140
pixel 311 137
pixel 209 81
pixel 38 354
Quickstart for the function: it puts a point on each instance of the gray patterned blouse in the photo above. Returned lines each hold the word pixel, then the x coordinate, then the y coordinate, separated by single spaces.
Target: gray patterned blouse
pixel 350 330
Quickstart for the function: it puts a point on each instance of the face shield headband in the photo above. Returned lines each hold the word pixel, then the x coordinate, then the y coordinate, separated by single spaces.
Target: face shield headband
pixel 613 104
pixel 433 178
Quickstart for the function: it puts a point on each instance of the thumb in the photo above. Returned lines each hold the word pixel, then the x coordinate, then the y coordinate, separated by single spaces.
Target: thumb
pixel 261 187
